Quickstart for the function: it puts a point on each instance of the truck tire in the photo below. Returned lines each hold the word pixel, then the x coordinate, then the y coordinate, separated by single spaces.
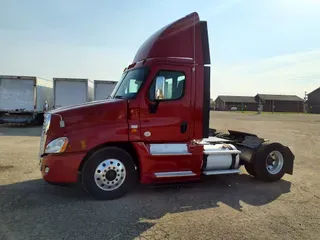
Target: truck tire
pixel 250 169
pixel 269 162
pixel 109 173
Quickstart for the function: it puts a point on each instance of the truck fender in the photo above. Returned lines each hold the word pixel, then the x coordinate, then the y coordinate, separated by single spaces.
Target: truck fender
pixel 267 147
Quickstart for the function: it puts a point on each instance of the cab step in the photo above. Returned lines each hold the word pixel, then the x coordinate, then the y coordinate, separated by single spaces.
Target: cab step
pixel 218 172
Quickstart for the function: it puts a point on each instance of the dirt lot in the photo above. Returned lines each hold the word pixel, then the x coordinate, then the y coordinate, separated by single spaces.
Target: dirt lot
pixel 224 207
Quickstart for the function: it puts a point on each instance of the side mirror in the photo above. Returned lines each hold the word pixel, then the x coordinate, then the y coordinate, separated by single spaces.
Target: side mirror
pixel 157 94
pixel 159 89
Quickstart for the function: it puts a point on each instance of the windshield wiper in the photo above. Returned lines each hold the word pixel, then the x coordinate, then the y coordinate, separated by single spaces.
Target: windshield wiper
pixel 118 97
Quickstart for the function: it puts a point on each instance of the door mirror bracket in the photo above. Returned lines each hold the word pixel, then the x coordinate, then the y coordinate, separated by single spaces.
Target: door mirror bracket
pixel 153 107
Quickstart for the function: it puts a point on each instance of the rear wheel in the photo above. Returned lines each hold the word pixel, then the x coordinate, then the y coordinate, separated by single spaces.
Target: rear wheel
pixel 269 162
pixel 109 173
pixel 250 169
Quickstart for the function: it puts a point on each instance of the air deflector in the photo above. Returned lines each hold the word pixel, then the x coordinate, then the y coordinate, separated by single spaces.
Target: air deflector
pixel 182 39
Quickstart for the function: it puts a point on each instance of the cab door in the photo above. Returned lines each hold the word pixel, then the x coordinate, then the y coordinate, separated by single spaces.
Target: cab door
pixel 165 113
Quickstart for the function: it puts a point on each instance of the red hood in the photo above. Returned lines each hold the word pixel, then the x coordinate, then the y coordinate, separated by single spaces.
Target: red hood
pixel 82 105
pixel 184 38
pixel 91 113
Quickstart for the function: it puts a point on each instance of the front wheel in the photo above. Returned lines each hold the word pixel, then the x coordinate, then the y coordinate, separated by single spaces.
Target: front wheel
pixel 109 173
pixel 269 162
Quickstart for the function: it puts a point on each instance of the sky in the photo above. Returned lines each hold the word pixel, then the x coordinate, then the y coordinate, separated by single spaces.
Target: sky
pixel 256 46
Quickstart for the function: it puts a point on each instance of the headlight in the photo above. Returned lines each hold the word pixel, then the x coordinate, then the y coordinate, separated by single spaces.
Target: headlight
pixel 47 121
pixel 58 145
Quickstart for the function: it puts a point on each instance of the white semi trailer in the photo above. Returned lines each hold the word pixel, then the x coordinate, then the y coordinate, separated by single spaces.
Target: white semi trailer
pixel 72 91
pixel 24 99
pixel 103 88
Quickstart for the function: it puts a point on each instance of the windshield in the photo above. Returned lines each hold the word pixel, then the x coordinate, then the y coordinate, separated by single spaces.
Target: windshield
pixel 129 84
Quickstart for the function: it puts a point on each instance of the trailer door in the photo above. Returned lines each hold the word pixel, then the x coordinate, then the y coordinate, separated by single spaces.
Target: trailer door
pixel 103 90
pixel 17 94
pixel 70 93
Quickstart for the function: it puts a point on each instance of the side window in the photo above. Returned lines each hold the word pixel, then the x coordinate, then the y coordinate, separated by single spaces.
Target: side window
pixel 167 85
pixel 133 86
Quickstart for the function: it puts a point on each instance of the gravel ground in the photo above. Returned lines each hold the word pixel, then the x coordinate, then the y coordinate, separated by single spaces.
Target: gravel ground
pixel 221 207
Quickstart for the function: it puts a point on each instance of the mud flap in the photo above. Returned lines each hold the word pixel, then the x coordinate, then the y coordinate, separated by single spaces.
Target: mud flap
pixel 289 159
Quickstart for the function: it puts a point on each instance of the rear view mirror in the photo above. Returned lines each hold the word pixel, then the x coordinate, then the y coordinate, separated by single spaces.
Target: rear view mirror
pixel 159 90
pixel 157 94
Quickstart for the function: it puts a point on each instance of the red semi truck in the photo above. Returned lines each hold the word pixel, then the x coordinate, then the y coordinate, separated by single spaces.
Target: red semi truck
pixel 154 128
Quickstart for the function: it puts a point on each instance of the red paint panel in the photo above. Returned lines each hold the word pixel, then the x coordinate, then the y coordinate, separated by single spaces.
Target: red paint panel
pixel 92 113
pixel 198 104
pixel 165 124
pixel 150 164
pixel 91 125
pixel 63 168
pixel 134 120
pixel 87 138
pixel 174 40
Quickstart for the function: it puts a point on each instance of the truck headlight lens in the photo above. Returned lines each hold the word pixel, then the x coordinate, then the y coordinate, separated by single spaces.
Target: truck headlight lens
pixel 57 145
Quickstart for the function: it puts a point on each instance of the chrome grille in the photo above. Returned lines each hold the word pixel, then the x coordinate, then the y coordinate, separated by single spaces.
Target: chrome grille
pixel 42 143
pixel 43 136
pixel 42 140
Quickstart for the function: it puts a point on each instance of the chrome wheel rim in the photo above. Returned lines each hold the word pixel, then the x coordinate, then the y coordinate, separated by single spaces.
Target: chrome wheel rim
pixel 110 174
pixel 274 162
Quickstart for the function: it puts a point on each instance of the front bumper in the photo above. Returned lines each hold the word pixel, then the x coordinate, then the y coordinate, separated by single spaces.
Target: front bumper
pixel 63 168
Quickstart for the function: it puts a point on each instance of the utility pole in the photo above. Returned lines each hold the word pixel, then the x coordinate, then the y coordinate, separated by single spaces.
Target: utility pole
pixel 260 106
pixel 305 106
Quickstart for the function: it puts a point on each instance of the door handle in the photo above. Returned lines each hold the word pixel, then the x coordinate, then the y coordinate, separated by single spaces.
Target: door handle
pixel 183 127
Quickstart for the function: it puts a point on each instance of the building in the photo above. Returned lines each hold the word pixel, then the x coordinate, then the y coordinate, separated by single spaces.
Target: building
pixel 280 103
pixel 239 103
pixel 212 104
pixel 314 101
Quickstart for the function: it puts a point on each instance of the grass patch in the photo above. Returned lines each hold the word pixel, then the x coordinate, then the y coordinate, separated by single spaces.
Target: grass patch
pixel 268 113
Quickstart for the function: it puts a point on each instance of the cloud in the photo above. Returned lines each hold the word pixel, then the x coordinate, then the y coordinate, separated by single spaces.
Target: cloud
pixel 284 74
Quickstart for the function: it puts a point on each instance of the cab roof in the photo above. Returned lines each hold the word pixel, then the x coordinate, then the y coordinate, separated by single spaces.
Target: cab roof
pixel 185 38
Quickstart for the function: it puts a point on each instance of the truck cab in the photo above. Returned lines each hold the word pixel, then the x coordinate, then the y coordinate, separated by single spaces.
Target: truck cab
pixel 154 128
